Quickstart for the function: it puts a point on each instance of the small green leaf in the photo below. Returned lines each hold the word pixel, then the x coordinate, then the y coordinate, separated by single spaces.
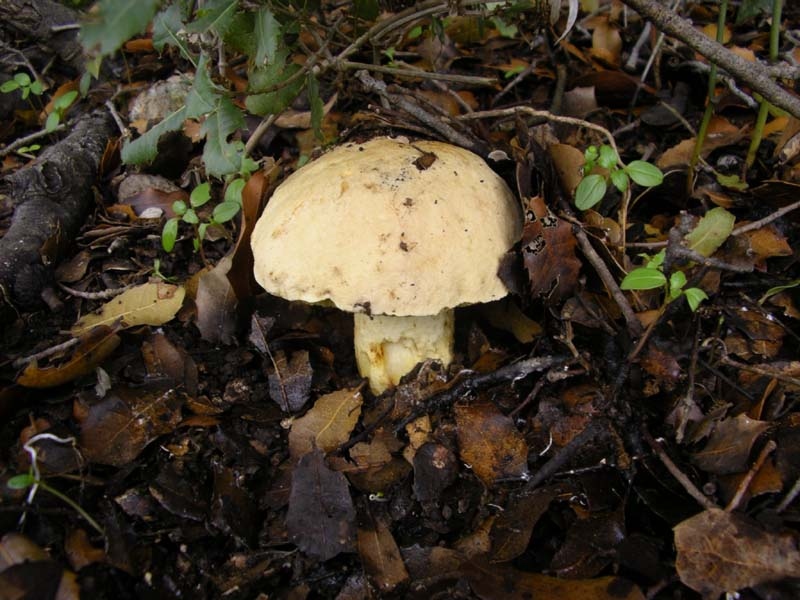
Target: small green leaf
pixel 37 88
pixel 169 234
pixel 676 282
pixel 590 154
pixel 179 207
pixel 201 231
pixel 9 86
pixel 222 157
pixel 20 482
pixel 509 73
pixel 732 182
pixel 63 102
pixel 504 29
pixel 53 119
pixel 200 195
pixel 225 211
pixel 23 79
pixel 620 180
pixel 590 191
pixel 643 279
pixel 233 193
pixel 248 166
pixel 190 217
pixel 655 261
pixel 644 173
pixel 694 296
pixel 415 32
pixel 608 158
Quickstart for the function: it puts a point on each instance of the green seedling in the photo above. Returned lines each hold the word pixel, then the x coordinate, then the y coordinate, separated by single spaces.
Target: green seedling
pixel 23 82
pixel 592 188
pixel 60 107
pixel 33 482
pixel 200 196
pixel 651 276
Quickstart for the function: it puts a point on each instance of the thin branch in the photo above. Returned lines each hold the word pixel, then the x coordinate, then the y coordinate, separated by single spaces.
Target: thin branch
pixel 754 74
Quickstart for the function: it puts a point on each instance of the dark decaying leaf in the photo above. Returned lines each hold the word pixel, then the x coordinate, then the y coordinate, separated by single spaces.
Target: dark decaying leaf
pixel 176 489
pixel 511 531
pixel 26 571
pixel 490 443
pixel 548 252
pixel 589 546
pixel 380 555
pixel 724 552
pixel 496 582
pixel 728 448
pixel 321 516
pixel 232 507
pixel 435 468
pixel 290 380
pixel 119 427
pixel 163 359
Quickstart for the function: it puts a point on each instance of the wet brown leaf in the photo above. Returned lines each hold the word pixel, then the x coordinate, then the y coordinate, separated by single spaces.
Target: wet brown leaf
pixel 435 468
pixel 548 252
pixel 163 359
pixel 496 582
pixel 723 552
pixel 321 516
pixel 490 443
pixel 728 448
pixel 589 546
pixel 73 269
pixel 512 529
pixel 26 571
pixel 216 304
pixel 290 380
pixel 94 347
pixel 119 427
pixel 146 304
pixel 80 551
pixel 381 556
pixel 328 424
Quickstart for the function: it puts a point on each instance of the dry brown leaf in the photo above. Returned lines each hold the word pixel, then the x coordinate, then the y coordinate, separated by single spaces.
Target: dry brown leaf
pixel 490 443
pixel 506 315
pixel 724 552
pixel 152 303
pixel 728 448
pixel 721 133
pixel 381 556
pixel 568 161
pixel 216 304
pixel 327 425
pixel 93 348
pixel 606 41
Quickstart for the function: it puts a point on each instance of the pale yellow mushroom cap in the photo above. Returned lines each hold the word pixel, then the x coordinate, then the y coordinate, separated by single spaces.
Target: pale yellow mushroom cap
pixel 388 227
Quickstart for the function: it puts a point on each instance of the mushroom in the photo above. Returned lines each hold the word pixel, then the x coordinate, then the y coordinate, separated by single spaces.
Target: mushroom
pixel 397 232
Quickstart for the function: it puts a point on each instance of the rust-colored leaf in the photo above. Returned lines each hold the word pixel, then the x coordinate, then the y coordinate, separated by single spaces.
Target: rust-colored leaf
pixel 321 516
pixel 724 552
pixel 548 252
pixel 94 347
pixel 490 443
pixel 328 424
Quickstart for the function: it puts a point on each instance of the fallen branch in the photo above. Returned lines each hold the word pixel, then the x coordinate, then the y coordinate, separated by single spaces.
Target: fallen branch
pixel 52 196
pixel 753 74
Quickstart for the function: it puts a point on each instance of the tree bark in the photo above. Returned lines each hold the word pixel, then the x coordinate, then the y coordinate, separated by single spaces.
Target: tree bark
pixel 52 197
pixel 35 20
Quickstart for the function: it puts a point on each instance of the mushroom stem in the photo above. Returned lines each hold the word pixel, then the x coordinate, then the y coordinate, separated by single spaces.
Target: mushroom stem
pixel 387 347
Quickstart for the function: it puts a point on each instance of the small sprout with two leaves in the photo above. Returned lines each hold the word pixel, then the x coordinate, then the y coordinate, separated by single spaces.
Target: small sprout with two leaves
pixel 23 82
pixel 651 276
pixel 593 186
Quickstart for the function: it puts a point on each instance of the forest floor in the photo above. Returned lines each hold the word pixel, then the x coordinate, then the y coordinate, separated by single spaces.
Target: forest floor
pixel 168 429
